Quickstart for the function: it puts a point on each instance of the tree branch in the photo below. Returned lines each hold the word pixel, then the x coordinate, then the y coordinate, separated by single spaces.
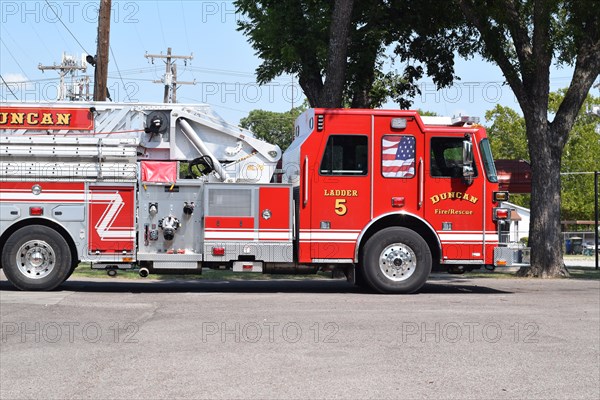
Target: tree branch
pixel 500 57
pixel 519 34
pixel 587 69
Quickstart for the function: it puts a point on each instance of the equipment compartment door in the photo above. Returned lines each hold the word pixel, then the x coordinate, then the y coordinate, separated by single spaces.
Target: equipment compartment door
pixel 274 214
pixel 111 219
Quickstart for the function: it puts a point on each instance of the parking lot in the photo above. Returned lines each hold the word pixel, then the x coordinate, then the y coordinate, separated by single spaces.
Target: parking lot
pixel 458 338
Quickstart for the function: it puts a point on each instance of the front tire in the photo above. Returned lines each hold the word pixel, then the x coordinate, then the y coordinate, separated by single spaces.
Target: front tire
pixel 396 260
pixel 36 257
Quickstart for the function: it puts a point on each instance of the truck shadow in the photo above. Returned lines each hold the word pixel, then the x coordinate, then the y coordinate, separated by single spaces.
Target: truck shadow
pixel 434 286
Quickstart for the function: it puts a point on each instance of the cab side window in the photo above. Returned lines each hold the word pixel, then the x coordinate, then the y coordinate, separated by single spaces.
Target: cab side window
pixel 446 157
pixel 345 155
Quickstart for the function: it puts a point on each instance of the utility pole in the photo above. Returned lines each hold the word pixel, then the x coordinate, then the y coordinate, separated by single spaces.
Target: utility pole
pixel 596 227
pixel 170 78
pixel 77 89
pixel 101 59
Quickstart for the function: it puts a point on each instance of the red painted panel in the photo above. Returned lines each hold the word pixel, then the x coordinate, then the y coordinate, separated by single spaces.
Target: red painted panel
pixel 111 219
pixel 229 222
pixel 46 118
pixel 277 201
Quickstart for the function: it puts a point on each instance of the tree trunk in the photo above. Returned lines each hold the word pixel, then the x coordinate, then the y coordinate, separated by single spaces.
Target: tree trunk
pixel 545 237
pixel 337 60
pixel 312 86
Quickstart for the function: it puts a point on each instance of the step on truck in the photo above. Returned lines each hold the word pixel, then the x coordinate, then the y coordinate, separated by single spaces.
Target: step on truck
pixel 381 196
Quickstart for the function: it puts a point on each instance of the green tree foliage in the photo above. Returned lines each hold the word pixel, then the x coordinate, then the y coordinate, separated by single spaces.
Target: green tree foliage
pixel 273 127
pixel 581 154
pixel 354 66
pixel 508 139
pixel 425 113
pixel 307 38
pixel 524 38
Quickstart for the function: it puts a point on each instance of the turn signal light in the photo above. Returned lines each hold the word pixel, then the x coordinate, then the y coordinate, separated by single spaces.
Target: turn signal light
pixel 501 213
pixel 398 202
pixel 36 210
pixel 218 251
pixel 500 196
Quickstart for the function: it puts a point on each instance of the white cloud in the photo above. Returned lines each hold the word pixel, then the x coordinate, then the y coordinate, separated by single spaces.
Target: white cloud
pixel 14 78
pixel 16 83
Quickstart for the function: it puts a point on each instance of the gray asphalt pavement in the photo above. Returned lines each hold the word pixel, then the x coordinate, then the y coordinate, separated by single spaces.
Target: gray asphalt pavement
pixel 457 339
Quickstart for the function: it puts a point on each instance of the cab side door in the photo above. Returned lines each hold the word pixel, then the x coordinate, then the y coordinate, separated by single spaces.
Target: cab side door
pixel 453 205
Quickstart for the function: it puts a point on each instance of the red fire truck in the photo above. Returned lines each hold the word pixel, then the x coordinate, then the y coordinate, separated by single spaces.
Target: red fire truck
pixel 383 196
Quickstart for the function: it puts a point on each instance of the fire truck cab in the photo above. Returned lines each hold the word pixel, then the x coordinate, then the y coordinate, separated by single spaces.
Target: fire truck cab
pixel 394 194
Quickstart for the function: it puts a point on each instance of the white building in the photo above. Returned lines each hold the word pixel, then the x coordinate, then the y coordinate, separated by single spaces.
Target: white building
pixel 519 226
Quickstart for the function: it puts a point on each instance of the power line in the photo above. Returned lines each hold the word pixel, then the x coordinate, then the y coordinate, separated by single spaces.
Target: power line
pixel 34 80
pixel 136 71
pixel 137 32
pixel 162 31
pixel 14 59
pixel 9 38
pixel 40 39
pixel 8 87
pixel 119 72
pixel 66 27
pixel 187 39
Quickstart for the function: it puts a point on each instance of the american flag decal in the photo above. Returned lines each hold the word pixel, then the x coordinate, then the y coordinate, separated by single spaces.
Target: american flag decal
pixel 398 156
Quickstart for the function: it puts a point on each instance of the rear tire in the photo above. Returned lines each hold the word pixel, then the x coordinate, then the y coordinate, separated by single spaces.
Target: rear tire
pixel 396 260
pixel 36 257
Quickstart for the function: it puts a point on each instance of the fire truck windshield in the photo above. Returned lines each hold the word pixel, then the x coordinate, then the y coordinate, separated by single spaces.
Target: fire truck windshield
pixel 488 161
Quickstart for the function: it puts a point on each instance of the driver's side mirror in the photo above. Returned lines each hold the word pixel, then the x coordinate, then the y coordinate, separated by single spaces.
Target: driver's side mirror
pixel 468 172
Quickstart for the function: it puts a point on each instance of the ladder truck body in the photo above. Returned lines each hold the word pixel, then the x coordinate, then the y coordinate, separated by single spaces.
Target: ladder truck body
pixel 379 195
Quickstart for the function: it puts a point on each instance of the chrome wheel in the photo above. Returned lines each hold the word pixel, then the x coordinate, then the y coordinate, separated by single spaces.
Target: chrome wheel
pixel 397 262
pixel 36 259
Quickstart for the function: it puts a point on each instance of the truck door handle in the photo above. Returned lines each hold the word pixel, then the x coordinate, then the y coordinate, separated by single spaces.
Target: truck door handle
pixel 305 181
pixel 421 183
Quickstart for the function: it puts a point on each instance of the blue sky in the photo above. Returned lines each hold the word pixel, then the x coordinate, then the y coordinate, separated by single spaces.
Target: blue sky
pixel 223 65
